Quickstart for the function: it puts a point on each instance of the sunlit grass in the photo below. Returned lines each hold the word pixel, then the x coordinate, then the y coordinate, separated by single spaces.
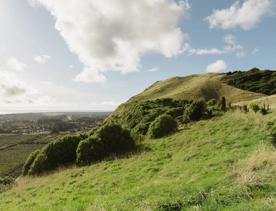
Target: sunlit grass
pixel 207 166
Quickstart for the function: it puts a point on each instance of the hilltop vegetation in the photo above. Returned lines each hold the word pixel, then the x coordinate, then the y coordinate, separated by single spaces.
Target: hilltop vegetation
pixel 254 80
pixel 183 144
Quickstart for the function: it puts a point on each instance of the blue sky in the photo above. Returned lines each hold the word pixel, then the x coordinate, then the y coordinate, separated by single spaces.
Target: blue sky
pixel 93 56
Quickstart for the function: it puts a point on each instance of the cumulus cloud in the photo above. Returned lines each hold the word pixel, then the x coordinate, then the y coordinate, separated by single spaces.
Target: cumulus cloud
pixel 42 59
pixel 216 67
pixel 13 90
pixel 245 16
pixel 114 35
pixel 15 65
pixel 231 46
pixel 11 86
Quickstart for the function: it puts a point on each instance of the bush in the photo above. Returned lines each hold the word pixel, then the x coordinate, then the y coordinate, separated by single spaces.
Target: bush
pixel 39 165
pixel 254 107
pixel 245 109
pixel 90 150
pixel 29 162
pixel 108 140
pixel 194 111
pixel 162 126
pixel 57 153
pixel 116 139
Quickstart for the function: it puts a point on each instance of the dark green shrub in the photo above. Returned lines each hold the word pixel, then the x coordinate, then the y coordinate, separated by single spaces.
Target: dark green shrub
pixel 61 152
pixel 29 162
pixel 109 140
pixel 39 165
pixel 162 126
pixel 115 139
pixel 222 104
pixel 264 110
pixel 245 109
pixel 175 112
pixel 254 107
pixel 90 150
pixel 194 111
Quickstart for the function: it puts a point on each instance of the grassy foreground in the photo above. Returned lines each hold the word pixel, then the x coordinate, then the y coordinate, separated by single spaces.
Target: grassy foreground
pixel 227 163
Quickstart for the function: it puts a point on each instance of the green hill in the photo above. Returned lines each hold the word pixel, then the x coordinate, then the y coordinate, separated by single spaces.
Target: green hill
pixel 194 87
pixel 227 162
pixel 205 86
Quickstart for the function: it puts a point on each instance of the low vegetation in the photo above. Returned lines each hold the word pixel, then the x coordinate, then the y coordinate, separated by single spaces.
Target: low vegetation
pixel 253 80
pixel 162 126
pixel 215 164
pixel 108 140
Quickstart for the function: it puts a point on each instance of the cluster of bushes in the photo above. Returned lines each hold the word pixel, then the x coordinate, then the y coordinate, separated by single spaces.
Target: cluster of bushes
pixel 162 126
pixel 156 118
pixel 81 149
pixel 106 141
pixel 254 80
pixel 265 109
pixel 61 152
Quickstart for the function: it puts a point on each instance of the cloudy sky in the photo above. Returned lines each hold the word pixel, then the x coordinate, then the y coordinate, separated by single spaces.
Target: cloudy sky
pixel 93 55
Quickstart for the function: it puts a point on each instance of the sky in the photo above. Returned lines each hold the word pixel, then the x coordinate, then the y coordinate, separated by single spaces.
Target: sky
pixel 90 55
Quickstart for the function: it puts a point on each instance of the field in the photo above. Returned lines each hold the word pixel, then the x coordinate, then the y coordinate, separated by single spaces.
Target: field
pixel 14 149
pixel 226 163
pixel 21 134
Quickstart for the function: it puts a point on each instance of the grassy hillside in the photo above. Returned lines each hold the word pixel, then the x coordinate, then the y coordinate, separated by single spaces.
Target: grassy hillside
pixel 195 87
pixel 205 86
pixel 227 163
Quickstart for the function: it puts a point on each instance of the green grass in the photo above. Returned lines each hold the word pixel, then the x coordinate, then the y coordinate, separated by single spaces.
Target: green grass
pixel 226 163
pixel 195 87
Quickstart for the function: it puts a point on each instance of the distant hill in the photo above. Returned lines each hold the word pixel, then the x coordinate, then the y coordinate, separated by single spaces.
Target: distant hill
pixel 254 80
pixel 195 87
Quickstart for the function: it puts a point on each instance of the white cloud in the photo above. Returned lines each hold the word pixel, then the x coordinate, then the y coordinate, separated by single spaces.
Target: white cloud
pixel 15 65
pixel 114 35
pixel 216 67
pixel 154 69
pixel 231 46
pixel 245 16
pixel 14 91
pixel 42 59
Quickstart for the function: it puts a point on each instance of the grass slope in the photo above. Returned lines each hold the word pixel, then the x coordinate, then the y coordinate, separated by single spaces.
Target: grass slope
pixel 204 86
pixel 227 163
pixel 194 87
